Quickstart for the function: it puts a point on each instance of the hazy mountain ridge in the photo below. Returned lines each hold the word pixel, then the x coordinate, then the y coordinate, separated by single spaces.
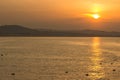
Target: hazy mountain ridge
pixel 17 30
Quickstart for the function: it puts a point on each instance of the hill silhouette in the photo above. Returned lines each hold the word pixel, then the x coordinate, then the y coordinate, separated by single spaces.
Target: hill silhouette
pixel 17 30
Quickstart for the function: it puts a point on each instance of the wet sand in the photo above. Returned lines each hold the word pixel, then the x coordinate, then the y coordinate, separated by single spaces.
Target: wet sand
pixel 28 62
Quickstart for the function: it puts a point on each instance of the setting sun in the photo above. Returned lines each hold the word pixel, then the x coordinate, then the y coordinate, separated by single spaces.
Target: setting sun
pixel 96 16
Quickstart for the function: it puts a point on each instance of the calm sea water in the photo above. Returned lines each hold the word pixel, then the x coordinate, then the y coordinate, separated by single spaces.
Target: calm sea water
pixel 59 58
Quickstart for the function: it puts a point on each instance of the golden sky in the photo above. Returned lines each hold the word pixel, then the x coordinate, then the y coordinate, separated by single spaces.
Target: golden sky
pixel 61 14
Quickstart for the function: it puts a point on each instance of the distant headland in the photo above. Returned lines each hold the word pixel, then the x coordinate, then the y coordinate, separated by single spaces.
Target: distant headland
pixel 17 30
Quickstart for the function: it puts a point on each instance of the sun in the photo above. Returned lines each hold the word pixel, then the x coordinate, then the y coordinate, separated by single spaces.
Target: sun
pixel 96 16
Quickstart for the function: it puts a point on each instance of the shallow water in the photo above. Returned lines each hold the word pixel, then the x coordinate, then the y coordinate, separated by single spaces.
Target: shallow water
pixel 59 58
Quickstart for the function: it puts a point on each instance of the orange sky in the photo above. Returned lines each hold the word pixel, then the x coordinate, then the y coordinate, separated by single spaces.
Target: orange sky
pixel 61 14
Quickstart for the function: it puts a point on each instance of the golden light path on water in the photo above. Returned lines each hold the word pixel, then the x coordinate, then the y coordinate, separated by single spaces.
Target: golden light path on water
pixel 97 70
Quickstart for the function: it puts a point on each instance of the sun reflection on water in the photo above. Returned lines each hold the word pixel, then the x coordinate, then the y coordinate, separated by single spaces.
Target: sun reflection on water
pixel 96 68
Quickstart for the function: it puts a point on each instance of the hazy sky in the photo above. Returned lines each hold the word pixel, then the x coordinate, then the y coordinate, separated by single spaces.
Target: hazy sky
pixel 62 14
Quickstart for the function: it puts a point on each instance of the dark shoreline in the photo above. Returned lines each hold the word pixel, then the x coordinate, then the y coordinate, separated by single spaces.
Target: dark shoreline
pixel 59 36
pixel 20 31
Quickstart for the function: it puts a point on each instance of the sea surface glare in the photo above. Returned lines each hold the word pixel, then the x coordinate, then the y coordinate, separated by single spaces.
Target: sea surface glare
pixel 59 58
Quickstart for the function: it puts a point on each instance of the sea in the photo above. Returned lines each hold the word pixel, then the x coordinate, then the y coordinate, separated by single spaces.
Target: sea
pixel 59 58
